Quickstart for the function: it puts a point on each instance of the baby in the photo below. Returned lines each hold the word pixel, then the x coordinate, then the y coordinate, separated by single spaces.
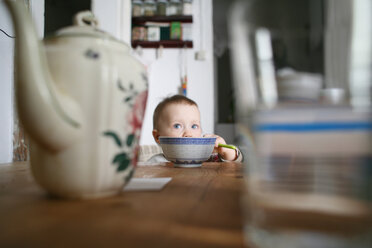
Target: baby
pixel 179 116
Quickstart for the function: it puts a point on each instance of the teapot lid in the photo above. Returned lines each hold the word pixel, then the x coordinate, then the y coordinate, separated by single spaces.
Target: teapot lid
pixel 85 24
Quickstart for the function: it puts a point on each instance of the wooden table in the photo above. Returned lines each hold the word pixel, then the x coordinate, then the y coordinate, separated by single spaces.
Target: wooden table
pixel 200 207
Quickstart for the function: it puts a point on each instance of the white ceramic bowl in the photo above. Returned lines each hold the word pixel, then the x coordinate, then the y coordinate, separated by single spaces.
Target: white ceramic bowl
pixel 298 86
pixel 186 151
pixel 334 96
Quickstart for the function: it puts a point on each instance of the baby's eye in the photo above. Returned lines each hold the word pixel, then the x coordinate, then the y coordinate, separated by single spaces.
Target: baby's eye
pixel 195 126
pixel 177 126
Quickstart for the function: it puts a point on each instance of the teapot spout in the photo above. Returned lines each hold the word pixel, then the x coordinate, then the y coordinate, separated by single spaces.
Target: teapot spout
pixel 50 117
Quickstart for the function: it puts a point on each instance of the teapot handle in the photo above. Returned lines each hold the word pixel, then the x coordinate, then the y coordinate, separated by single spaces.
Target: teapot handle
pixel 85 18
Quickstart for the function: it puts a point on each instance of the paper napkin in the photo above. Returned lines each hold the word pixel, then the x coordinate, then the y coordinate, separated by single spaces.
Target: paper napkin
pixel 147 184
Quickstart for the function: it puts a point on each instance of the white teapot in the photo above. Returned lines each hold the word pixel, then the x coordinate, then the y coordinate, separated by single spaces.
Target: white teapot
pixel 81 98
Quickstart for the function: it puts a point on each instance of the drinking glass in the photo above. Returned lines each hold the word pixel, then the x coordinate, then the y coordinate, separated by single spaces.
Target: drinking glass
pixel 307 166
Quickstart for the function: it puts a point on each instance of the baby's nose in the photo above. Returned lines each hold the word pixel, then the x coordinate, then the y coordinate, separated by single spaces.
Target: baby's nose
pixel 187 133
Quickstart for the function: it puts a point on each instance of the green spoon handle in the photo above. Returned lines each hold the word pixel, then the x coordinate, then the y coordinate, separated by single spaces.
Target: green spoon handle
pixel 227 146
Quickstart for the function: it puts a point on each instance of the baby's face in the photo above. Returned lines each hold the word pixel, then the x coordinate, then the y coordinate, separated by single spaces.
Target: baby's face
pixel 180 120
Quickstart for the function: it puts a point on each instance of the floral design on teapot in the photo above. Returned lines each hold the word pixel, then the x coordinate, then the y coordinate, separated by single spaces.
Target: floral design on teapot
pixel 92 54
pixel 137 101
pixel 121 159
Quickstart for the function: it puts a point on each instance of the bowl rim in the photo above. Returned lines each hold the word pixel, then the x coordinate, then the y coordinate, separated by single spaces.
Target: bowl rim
pixel 189 140
pixel 169 137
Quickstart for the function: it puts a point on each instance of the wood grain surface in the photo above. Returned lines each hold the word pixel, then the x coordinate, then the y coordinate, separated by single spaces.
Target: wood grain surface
pixel 200 207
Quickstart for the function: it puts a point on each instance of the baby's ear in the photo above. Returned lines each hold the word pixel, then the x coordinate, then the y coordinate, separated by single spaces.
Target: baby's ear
pixel 156 135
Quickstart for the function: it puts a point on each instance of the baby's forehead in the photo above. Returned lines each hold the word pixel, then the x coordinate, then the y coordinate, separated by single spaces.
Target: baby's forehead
pixel 179 105
pixel 177 112
pixel 179 108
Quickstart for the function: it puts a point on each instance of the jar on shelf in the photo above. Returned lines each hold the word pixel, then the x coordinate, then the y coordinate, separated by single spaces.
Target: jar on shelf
pixel 161 7
pixel 137 8
pixel 149 8
pixel 187 7
pixel 139 33
pixel 174 7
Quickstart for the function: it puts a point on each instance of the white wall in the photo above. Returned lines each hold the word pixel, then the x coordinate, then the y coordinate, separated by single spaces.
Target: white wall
pixel 6 92
pixel 6 73
pixel 165 71
pixel 114 17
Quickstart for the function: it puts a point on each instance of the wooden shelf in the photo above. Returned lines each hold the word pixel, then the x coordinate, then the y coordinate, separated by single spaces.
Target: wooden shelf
pixel 179 18
pixel 137 21
pixel 164 43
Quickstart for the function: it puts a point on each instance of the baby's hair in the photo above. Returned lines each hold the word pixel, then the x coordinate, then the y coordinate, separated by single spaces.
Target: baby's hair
pixel 175 99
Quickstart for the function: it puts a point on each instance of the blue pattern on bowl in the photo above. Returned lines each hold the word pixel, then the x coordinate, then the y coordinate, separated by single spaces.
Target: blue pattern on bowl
pixel 187 140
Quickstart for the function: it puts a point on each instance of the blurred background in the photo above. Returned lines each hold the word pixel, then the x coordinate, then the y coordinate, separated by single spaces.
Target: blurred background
pixel 168 62
pixel 202 54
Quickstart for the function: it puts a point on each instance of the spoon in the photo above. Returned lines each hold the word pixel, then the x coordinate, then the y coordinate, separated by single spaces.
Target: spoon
pixel 227 146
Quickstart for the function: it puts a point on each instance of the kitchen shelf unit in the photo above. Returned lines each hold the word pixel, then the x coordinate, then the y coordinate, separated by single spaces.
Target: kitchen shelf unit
pixel 142 20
